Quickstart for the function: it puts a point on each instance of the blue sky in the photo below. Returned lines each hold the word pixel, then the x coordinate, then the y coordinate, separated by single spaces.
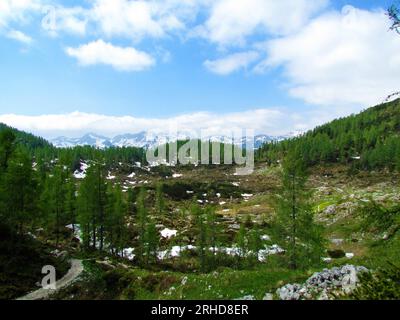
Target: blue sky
pixel 299 63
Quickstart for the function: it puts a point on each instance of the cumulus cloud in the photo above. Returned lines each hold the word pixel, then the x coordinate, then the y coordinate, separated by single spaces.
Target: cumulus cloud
pixel 120 58
pixel 19 36
pixel 17 10
pixel 274 121
pixel 346 57
pixel 73 20
pixel 230 22
pixel 132 19
pixel 328 57
pixel 139 19
pixel 231 63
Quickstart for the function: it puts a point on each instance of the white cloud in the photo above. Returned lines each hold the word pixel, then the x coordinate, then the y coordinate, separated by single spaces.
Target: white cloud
pixel 17 10
pixel 19 36
pixel 346 57
pixel 73 20
pixel 273 121
pixel 231 63
pixel 139 19
pixel 120 58
pixel 232 21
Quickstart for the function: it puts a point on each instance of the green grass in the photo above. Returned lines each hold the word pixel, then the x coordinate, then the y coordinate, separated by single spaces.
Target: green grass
pixel 141 284
pixel 383 251
pixel 229 284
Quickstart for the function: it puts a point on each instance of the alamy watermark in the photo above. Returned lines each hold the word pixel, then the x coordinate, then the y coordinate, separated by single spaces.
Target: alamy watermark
pixel 49 280
pixel 49 21
pixel 199 147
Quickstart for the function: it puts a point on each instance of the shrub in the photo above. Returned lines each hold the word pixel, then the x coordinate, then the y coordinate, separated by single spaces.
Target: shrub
pixel 384 284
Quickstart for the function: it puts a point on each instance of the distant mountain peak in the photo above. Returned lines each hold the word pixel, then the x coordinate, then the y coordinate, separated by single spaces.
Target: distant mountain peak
pixel 145 140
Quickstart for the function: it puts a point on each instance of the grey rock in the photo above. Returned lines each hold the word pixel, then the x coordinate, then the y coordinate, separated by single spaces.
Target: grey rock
pixel 330 209
pixel 320 284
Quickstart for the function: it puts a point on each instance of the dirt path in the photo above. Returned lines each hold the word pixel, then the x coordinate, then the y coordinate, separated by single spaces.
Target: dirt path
pixel 73 273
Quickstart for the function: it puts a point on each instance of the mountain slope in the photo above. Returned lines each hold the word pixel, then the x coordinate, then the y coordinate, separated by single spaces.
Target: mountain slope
pixel 28 140
pixel 369 140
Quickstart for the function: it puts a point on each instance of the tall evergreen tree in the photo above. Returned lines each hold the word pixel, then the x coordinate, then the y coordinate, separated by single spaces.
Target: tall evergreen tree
pixel 18 192
pixel 92 204
pixel 242 245
pixel 84 212
pixel 142 220
pixel 201 235
pixel 131 207
pixel 71 202
pixel 7 147
pixel 152 242
pixel 159 200
pixel 116 230
pixel 296 230
pixel 213 231
pixel 53 201
pixel 254 244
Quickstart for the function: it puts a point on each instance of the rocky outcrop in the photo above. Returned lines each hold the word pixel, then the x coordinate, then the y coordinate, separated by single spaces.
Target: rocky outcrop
pixel 324 285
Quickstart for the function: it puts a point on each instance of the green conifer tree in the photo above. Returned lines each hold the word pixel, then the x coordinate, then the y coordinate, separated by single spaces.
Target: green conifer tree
pixel 296 230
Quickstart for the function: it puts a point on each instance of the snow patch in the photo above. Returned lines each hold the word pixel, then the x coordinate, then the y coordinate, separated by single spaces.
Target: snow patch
pixel 168 233
pixel 132 175
pixel 128 253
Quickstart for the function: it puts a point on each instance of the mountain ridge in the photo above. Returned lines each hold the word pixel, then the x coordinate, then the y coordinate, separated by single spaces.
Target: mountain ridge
pixel 146 140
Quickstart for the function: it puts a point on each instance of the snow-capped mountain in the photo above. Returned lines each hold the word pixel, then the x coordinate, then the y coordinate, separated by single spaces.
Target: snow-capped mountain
pixel 90 139
pixel 145 140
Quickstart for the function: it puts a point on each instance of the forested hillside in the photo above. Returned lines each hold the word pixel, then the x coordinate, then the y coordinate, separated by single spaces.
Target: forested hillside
pixel 369 140
pixel 30 141
pixel 43 152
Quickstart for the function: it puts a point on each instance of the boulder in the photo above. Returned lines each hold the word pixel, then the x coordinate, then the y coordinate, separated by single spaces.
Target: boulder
pixel 336 280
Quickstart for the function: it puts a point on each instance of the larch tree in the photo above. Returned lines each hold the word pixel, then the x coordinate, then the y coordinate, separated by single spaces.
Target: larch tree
pixel 152 243
pixel 295 227
pixel 7 147
pixel 19 196
pixel 242 244
pixel 116 229
pixel 213 231
pixel 53 201
pixel 201 235
pixel 142 220
pixel 92 205
pixel 70 202
pixel 84 216
pixel 159 200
